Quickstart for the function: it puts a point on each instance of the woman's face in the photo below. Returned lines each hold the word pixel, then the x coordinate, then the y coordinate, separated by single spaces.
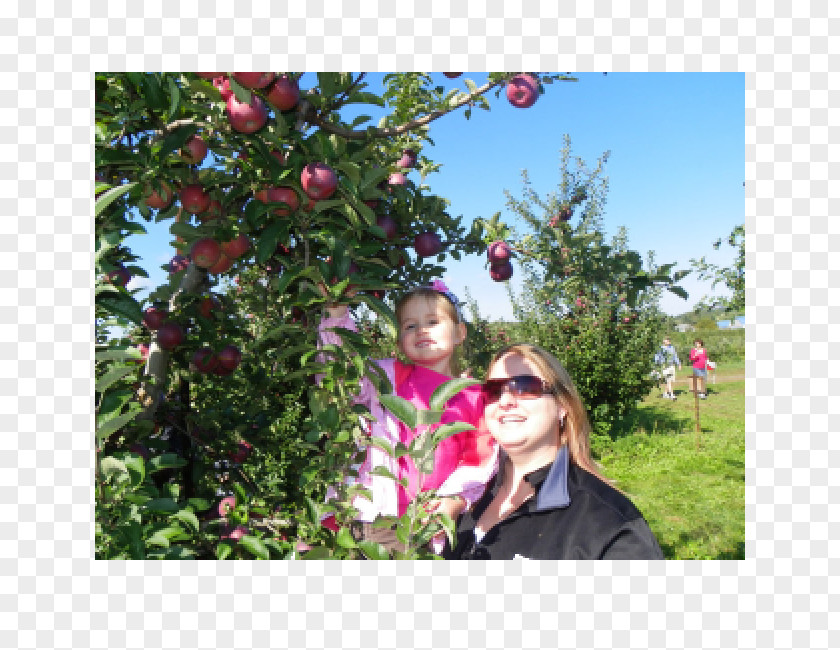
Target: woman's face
pixel 524 427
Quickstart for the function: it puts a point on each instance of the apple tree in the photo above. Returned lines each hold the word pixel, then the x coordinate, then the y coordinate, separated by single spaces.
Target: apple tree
pixel 590 301
pixel 279 199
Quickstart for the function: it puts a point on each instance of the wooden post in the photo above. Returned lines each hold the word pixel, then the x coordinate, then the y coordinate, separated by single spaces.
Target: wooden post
pixel 694 380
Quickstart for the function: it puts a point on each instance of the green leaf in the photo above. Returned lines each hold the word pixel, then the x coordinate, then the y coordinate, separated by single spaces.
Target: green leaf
pixel 682 293
pixel 117 354
pixel 112 376
pixel 110 467
pixel 402 409
pixel 134 534
pixel 373 177
pixel 223 550
pixel 188 518
pixel 163 504
pixel 427 416
pixel 382 444
pixel 450 429
pixel 111 195
pixel 318 553
pixel 351 170
pixel 269 240
pixel 165 461
pixel 255 546
pixel 384 311
pixel 121 305
pixel 108 428
pixel 312 511
pixel 174 98
pixel 345 539
pixel 381 471
pixel 136 468
pixel 447 390
pixel 373 551
pixel 242 94
pixel 183 230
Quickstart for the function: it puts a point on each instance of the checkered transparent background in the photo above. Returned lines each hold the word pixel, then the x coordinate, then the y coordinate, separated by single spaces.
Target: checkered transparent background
pixel 55 595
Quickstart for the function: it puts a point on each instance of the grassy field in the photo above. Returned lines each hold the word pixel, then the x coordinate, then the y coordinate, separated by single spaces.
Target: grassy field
pixel 688 485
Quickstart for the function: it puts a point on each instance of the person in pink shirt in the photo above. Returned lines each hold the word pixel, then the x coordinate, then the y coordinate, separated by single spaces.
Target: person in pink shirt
pixel 431 329
pixel 698 357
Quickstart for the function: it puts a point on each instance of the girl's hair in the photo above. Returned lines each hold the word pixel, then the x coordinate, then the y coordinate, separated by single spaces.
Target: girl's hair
pixel 575 430
pixel 439 300
pixel 700 341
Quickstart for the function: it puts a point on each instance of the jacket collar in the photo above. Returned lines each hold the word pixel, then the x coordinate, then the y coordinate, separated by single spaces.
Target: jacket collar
pixel 551 482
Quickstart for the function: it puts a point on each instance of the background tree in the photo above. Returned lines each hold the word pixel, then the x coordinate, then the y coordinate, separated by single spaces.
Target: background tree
pixel 591 302
pixel 731 276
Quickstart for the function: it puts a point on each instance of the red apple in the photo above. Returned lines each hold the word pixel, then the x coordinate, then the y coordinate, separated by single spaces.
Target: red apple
pixel 213 211
pixel 154 317
pixel 242 453
pixel 501 271
pixel 229 357
pixel 254 79
pixel 387 224
pixel 318 181
pixel 204 360
pixel 452 75
pixel 409 159
pixel 194 199
pixel 427 244
pixel 397 179
pixel 246 117
pixel 194 150
pixel 283 195
pixel 119 277
pixel 208 305
pixel 178 263
pixel 170 335
pixel 498 251
pixel 565 212
pixel 222 265
pixel 233 534
pixel 522 91
pixel 222 83
pixel 236 247
pixel 158 200
pixel 205 252
pixel 279 156
pixel 284 93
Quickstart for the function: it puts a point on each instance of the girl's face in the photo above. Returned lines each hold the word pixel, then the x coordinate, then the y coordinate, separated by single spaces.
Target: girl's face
pixel 525 426
pixel 697 344
pixel 428 336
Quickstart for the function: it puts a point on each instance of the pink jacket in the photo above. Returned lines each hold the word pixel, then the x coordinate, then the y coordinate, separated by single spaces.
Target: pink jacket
pixel 698 357
pixel 463 463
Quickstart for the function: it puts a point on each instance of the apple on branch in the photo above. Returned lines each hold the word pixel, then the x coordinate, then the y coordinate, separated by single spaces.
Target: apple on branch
pixel 205 252
pixel 318 181
pixel 284 93
pixel 246 117
pixel 194 150
pixel 254 79
pixel 522 91
pixel 170 335
pixel 427 244
pixel 194 199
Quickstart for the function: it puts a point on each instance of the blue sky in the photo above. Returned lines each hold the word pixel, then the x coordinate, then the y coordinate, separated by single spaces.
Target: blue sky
pixel 676 167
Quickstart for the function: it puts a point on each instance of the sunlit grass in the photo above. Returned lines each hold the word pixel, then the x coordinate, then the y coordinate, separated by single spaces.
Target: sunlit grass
pixel 690 486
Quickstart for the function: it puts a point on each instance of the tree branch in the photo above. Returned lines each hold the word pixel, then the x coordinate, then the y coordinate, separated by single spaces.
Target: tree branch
pixel 349 134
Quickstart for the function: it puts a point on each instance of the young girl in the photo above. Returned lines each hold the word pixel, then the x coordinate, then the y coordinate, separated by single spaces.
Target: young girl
pixel 698 359
pixel 431 328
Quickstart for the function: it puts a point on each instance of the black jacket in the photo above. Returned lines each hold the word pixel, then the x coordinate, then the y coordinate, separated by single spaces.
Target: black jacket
pixel 572 516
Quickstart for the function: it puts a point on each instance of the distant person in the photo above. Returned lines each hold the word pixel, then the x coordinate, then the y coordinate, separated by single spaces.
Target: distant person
pixel 699 359
pixel 667 360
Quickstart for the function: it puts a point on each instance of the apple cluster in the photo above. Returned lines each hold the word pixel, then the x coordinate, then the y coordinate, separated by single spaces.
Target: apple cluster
pixel 498 254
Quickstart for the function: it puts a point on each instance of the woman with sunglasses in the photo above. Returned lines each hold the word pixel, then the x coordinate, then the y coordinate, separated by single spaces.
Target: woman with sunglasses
pixel 547 501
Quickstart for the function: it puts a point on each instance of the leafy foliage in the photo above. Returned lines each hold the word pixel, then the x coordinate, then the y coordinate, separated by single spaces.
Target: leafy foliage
pixel 732 276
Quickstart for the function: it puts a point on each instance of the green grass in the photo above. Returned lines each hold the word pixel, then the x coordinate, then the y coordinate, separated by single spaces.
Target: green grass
pixel 689 486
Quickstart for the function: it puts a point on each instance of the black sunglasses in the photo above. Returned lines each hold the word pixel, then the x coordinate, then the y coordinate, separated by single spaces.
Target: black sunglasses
pixel 521 386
